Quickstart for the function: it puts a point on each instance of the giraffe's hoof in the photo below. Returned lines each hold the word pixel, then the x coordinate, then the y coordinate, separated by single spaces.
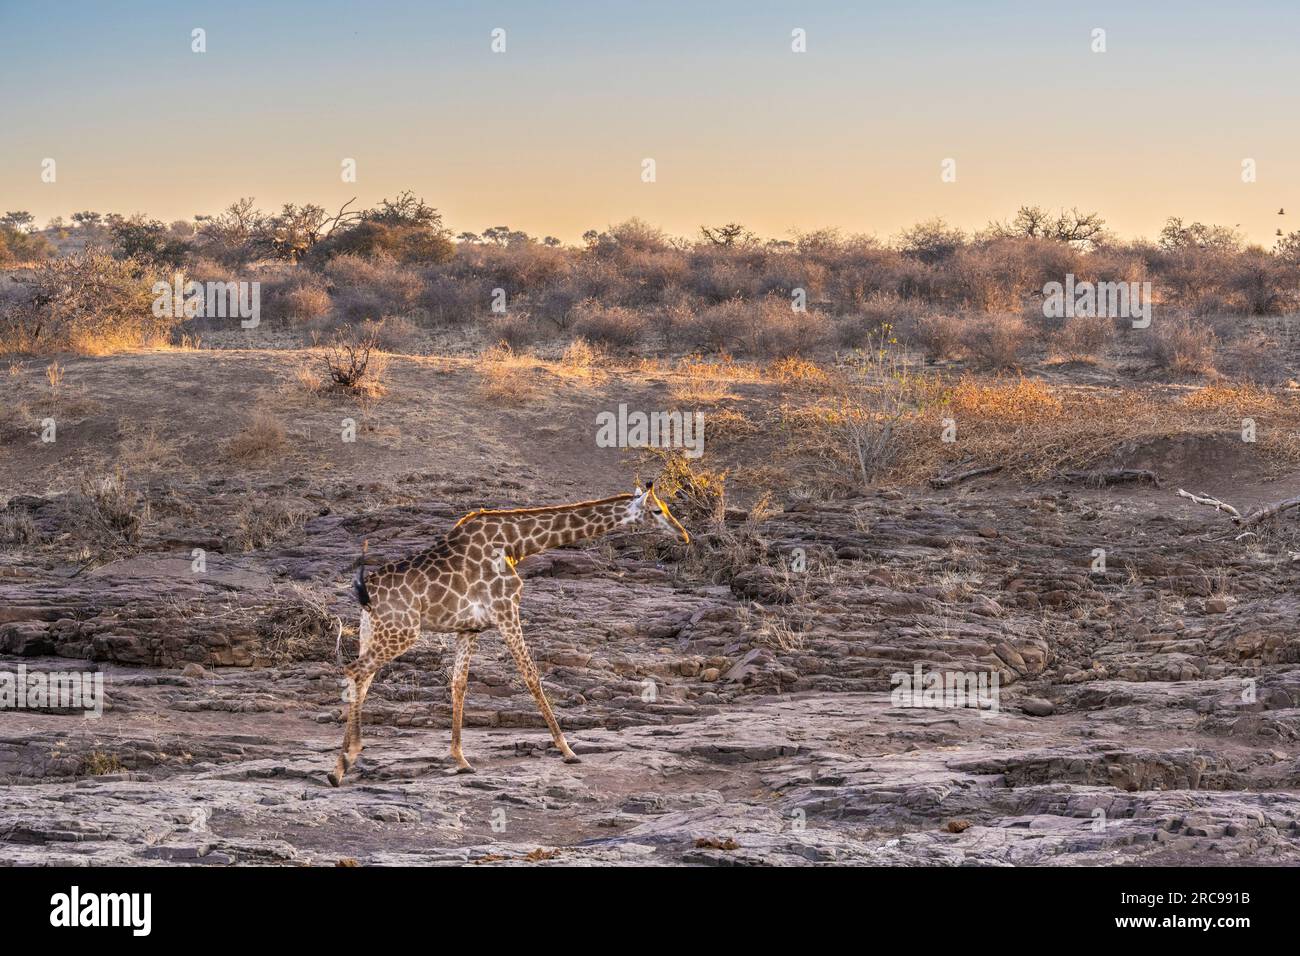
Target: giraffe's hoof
pixel 571 757
pixel 463 768
pixel 334 778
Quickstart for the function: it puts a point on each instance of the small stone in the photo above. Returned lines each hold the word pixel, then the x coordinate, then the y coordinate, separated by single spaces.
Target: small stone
pixel 958 826
pixel 1037 707
pixel 1216 605
pixel 710 674
pixel 193 669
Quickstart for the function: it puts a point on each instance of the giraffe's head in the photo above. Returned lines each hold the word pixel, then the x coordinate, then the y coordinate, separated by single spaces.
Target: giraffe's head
pixel 645 507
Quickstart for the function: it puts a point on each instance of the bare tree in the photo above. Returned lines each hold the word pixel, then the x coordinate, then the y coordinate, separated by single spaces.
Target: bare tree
pixel 1035 222
pixel 732 234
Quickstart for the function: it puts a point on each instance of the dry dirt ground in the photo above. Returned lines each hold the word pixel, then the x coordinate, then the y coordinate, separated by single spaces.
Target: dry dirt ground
pixel 1149 713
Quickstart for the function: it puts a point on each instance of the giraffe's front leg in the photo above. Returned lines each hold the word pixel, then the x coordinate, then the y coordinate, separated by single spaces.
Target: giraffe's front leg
pixel 513 633
pixel 459 679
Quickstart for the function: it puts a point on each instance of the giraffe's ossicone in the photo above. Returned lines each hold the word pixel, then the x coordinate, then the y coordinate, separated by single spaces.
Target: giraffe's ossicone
pixel 466 583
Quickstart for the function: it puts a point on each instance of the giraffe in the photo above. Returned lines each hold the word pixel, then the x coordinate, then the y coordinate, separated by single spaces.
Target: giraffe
pixel 466 583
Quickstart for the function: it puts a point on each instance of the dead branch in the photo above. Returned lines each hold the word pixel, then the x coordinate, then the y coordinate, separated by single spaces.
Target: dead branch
pixel 1255 517
pixel 338 219
pixel 950 480
pixel 1114 477
pixel 1269 511
pixel 1213 502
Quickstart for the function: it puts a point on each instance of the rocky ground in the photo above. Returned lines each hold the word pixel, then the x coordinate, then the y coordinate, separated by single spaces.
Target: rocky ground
pixel 1147 712
pixel 729 708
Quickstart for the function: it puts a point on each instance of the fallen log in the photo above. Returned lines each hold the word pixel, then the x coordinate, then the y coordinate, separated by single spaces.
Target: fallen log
pixel 1115 476
pixel 949 480
pixel 1255 517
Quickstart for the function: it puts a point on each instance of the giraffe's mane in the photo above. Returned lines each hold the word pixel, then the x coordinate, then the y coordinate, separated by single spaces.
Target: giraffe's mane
pixel 544 509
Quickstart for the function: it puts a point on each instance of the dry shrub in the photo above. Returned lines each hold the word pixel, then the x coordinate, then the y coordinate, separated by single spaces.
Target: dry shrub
pixel 718 328
pixel 1083 339
pixel 515 329
pixel 88 302
pixel 938 336
pixel 300 627
pixel 778 331
pixel 1181 344
pixel 393 334
pixel 18 528
pixel 370 288
pixel 354 363
pixel 260 524
pixel 262 437
pixel 870 399
pixel 107 514
pixel 1254 357
pixel 722 546
pixel 997 341
pixel 304 302
pixel 697 494
pixel 614 326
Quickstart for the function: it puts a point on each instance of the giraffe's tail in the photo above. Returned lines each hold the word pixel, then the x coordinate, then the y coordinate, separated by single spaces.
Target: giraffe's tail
pixel 359 588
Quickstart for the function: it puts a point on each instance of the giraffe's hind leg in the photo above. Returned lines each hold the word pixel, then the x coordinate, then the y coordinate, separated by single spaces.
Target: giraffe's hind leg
pixel 389 641
pixel 356 675
pixel 513 632
pixel 459 678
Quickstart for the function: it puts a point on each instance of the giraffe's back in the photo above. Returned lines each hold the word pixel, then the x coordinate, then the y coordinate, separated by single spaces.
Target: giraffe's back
pixel 453 585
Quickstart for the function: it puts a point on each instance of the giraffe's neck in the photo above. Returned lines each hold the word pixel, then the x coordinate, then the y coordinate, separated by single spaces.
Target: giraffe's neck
pixel 537 529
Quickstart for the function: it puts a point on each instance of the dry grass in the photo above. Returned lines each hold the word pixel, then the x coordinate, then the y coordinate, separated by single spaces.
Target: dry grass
pixel 17 528
pixel 796 372
pixel 263 437
pixel 301 627
pixel 144 451
pixel 99 763
pixel 260 524
pixel 896 428
pixel 582 360
pixel 704 382
pixel 107 514
pixel 508 377
pixel 768 628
